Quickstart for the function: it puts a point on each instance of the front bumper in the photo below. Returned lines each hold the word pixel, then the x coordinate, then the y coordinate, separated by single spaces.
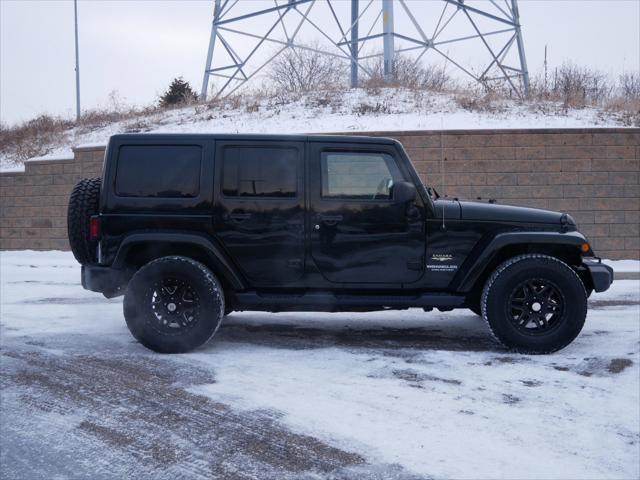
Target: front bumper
pixel 601 274
pixel 111 282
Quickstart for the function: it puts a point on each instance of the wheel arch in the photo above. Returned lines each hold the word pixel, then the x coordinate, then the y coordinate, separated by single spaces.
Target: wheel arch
pixel 564 246
pixel 140 248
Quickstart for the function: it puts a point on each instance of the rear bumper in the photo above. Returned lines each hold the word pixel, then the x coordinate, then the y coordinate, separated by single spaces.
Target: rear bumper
pixel 601 275
pixel 109 281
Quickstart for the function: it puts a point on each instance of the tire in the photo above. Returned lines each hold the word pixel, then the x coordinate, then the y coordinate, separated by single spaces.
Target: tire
pixel 83 203
pixel 173 305
pixel 534 304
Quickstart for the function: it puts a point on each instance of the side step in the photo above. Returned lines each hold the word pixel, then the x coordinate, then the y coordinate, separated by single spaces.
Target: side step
pixel 329 302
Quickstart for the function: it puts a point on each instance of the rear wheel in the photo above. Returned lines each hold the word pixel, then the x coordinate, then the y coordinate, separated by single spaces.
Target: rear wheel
pixel 534 304
pixel 173 305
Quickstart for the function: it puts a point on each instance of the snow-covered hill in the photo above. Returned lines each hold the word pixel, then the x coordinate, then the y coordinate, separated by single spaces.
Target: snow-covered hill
pixel 355 110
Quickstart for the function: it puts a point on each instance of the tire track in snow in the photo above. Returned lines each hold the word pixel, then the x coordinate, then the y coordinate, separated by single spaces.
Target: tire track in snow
pixel 129 415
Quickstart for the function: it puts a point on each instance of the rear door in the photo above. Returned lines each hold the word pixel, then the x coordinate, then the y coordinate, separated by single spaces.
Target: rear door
pixel 259 208
pixel 358 233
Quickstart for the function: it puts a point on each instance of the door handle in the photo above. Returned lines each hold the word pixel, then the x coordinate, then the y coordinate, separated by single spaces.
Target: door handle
pixel 330 219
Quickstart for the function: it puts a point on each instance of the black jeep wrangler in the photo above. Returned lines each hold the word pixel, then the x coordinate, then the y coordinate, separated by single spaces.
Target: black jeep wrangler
pixel 192 227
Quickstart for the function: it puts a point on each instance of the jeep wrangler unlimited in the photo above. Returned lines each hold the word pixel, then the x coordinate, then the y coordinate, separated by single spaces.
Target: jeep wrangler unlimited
pixel 192 227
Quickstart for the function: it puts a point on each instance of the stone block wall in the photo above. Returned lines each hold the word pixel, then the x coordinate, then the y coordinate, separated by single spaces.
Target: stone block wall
pixel 33 203
pixel 593 174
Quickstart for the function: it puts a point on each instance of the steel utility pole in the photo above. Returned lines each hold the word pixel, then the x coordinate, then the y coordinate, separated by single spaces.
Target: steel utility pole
pixel 388 34
pixel 75 15
pixel 238 18
pixel 355 14
pixel 212 44
pixel 523 59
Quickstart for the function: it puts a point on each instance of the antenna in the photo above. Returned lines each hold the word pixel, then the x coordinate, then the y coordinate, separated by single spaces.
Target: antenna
pixel 442 167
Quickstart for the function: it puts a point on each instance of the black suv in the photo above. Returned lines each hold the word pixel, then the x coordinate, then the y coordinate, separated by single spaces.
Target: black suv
pixel 192 227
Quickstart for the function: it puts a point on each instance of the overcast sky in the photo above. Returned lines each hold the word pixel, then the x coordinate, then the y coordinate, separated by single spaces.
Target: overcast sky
pixel 137 47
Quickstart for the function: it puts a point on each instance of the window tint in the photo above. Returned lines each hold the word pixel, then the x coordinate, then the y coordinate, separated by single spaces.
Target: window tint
pixel 260 172
pixel 358 175
pixel 158 171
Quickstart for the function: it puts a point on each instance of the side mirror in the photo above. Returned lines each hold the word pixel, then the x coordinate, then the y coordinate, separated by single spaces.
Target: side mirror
pixel 404 192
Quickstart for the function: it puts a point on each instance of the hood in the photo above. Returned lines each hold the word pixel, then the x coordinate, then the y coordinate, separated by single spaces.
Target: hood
pixel 507 213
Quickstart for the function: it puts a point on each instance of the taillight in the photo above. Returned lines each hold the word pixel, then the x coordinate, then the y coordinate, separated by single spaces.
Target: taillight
pixel 94 227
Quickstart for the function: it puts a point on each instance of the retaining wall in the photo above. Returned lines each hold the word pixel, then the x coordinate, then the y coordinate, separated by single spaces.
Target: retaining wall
pixel 593 174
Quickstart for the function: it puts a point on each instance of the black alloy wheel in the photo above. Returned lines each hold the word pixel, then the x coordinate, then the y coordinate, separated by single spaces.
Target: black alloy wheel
pixel 175 304
pixel 536 306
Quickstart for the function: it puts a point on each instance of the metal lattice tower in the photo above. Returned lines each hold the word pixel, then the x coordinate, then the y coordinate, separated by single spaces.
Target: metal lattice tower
pixel 247 36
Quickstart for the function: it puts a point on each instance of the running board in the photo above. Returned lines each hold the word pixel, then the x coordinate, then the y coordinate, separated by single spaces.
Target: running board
pixel 327 302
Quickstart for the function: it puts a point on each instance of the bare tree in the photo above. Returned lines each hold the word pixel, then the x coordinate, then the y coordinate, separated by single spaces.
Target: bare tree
pixel 408 74
pixel 579 86
pixel 629 84
pixel 301 70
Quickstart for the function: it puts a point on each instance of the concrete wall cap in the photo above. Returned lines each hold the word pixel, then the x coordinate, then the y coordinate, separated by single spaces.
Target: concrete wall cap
pixel 89 147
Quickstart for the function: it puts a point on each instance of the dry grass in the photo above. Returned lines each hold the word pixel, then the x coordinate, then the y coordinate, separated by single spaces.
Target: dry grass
pixel 409 75
pixel 320 87
pixel 41 135
pixel 33 138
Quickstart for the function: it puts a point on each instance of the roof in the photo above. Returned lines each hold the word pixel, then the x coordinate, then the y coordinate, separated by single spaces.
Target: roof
pixel 254 137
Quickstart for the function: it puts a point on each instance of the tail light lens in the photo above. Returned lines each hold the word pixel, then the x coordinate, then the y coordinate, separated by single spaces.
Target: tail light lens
pixel 94 227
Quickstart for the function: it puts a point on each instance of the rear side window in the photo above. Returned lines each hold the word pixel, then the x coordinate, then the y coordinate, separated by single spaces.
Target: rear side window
pixel 354 175
pixel 170 171
pixel 260 172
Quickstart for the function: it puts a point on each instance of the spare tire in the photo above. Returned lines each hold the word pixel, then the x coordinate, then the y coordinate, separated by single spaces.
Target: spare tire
pixel 83 204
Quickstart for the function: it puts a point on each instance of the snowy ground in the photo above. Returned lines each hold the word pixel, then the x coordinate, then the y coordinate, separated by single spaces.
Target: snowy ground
pixel 356 110
pixel 377 395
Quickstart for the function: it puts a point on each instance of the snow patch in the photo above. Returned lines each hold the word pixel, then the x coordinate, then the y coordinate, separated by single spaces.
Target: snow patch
pixel 427 391
pixel 624 265
pixel 354 110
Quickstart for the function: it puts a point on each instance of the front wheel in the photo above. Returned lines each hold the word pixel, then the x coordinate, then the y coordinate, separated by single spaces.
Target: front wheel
pixel 173 305
pixel 534 304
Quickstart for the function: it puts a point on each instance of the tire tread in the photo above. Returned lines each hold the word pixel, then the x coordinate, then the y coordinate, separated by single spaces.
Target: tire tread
pixel 498 272
pixel 214 290
pixel 83 203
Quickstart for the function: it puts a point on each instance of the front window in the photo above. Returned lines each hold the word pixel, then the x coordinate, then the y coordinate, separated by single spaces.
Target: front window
pixel 358 175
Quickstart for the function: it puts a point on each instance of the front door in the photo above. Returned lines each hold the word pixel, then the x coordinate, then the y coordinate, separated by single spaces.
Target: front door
pixel 259 208
pixel 358 233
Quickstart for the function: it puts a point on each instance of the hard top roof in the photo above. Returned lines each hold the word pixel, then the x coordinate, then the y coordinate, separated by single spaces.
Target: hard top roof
pixel 255 137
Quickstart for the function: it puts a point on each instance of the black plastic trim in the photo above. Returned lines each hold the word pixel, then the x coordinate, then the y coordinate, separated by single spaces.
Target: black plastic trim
pixel 328 301
pixel 467 276
pixel 601 275
pixel 106 280
pixel 223 267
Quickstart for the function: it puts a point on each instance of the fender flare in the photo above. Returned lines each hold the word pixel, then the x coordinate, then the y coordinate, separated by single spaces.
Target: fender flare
pixel 468 274
pixel 223 267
